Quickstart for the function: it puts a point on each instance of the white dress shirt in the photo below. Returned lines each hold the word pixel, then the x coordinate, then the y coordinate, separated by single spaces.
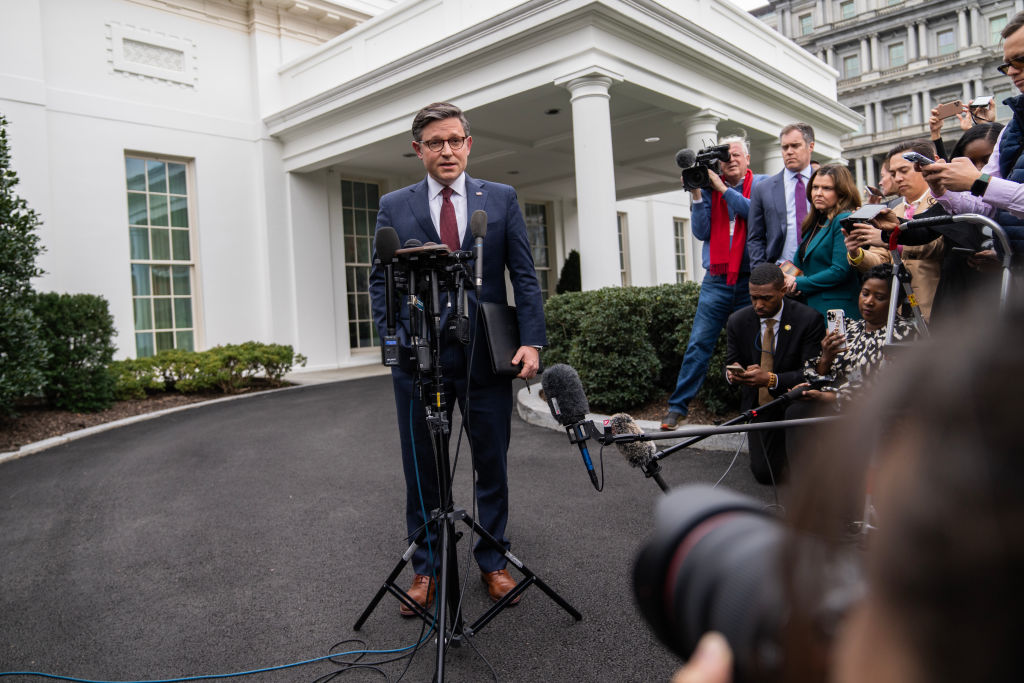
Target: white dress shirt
pixel 458 201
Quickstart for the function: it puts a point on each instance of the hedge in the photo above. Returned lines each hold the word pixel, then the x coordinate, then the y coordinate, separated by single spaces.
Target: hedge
pixel 228 369
pixel 627 344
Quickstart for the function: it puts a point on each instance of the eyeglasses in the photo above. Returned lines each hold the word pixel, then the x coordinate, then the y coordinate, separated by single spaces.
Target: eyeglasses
pixel 437 145
pixel 1016 62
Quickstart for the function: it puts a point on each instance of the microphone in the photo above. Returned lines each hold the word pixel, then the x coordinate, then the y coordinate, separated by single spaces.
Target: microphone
pixel 478 226
pixel 568 405
pixel 685 158
pixel 637 453
pixel 387 244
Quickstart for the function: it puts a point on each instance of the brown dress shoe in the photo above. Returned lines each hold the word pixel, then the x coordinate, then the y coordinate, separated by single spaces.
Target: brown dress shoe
pixel 499 583
pixel 422 591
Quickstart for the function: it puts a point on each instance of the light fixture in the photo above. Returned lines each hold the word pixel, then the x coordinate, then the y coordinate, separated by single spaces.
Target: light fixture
pixel 652 139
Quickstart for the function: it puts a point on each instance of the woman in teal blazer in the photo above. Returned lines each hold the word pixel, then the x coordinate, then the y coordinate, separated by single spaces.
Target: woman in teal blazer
pixel 828 281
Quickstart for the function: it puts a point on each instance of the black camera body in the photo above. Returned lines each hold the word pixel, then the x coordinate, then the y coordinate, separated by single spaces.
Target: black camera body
pixel 695 173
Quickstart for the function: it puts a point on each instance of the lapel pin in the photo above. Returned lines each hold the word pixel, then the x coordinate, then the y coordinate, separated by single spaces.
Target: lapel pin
pixel 479 194
pixel 787 328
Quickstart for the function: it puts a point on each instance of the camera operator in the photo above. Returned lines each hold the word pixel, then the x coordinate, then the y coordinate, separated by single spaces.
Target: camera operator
pixel 933 594
pixel 719 219
pixel 779 204
pixel 867 248
pixel 437 209
pixel 995 191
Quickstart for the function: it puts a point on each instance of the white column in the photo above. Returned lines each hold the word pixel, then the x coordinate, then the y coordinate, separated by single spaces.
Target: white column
pixel 875 64
pixel 922 40
pixel 702 128
pixel 979 87
pixel 869 118
pixel 878 117
pixel 864 56
pixel 915 108
pixel 911 43
pixel 869 175
pixel 961 19
pixel 976 27
pixel 830 56
pixel 966 90
pixel 595 176
pixel 771 153
pixel 819 6
pixel 859 171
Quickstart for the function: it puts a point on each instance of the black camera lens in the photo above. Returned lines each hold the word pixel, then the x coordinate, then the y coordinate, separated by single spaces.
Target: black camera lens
pixel 712 564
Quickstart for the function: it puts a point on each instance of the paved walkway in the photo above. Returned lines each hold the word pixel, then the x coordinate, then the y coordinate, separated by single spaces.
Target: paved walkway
pixel 253 532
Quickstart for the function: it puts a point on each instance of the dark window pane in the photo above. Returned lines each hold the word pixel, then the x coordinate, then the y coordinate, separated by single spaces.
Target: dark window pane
pixel 363 301
pixel 185 340
pixel 183 312
pixel 363 280
pixel 144 344
pixel 363 253
pixel 157 176
pixel 346 193
pixel 135 171
pixel 179 212
pixel 140 280
pixel 176 178
pixel 164 341
pixel 143 316
pixel 353 335
pixel 161 280
pixel 350 248
pixel 352 307
pixel 364 334
pixel 157 209
pixel 372 196
pixel 362 224
pixel 179 244
pixel 359 195
pixel 137 209
pixel 162 314
pixel 182 283
pixel 139 243
pixel 161 244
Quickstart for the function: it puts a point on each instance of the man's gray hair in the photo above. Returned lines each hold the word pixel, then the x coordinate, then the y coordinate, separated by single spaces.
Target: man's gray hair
pixel 729 139
pixel 438 111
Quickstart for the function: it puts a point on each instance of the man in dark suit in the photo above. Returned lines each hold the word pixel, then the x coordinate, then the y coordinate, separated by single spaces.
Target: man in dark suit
pixel 778 204
pixel 771 339
pixel 437 209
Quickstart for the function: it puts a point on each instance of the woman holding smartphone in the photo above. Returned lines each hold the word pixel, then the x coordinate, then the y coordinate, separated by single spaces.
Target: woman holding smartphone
pixel 827 281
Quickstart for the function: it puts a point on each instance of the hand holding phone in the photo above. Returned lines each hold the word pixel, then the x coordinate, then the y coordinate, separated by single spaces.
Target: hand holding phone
pixel 918 158
pixel 735 368
pixel 836 322
pixel 948 109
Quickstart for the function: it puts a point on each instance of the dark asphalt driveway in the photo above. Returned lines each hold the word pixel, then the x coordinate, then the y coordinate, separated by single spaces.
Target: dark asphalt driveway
pixel 252 533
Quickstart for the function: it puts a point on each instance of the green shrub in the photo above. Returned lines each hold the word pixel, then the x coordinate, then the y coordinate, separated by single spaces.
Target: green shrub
pixel 22 351
pixel 627 344
pixel 78 331
pixel 135 378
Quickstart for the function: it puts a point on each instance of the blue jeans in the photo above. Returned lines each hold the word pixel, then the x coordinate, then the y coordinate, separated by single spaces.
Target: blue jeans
pixel 717 301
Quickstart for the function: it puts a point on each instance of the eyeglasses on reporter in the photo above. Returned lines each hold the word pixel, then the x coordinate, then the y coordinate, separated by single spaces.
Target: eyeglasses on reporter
pixel 437 145
pixel 1016 62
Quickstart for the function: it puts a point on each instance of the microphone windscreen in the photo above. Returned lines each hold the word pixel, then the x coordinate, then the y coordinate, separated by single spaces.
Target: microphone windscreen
pixel 638 453
pixel 412 242
pixel 386 244
pixel 685 158
pixel 478 223
pixel 566 398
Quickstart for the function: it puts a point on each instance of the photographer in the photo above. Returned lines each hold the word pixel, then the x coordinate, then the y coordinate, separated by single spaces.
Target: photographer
pixel 719 220
pixel 971 115
pixel 933 592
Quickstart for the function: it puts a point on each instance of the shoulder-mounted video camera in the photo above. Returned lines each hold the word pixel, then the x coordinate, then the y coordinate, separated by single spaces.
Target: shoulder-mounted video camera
pixel 695 177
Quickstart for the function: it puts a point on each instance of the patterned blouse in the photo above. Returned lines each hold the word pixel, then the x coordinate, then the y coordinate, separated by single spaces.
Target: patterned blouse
pixel 855 367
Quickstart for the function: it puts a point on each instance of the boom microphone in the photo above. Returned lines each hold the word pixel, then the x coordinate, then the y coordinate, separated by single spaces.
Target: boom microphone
pixel 478 226
pixel 685 158
pixel 568 404
pixel 637 453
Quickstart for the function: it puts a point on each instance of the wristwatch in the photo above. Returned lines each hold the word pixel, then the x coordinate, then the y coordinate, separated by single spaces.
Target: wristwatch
pixel 980 185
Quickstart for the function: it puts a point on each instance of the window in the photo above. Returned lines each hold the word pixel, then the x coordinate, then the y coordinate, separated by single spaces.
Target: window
pixel 359 218
pixel 620 220
pixel 900 118
pixel 946 41
pixel 897 54
pixel 160 249
pixel 806 24
pixel 682 272
pixel 847 9
pixel 995 28
pixel 536 217
pixel 851 66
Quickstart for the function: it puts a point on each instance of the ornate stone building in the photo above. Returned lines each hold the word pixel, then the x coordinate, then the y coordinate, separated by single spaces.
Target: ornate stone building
pixel 896 59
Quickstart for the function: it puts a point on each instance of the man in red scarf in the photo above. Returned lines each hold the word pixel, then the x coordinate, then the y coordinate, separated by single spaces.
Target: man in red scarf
pixel 719 219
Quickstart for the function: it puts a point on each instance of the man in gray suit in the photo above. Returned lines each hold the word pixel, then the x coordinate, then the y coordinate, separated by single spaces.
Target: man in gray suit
pixel 778 205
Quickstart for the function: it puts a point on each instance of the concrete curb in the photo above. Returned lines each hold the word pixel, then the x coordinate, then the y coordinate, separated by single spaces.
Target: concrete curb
pixel 535 411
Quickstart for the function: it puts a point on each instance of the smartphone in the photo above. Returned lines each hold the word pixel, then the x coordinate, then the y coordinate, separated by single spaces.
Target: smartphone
pixel 964 250
pixel 947 109
pixel 874 190
pixel 980 102
pixel 735 368
pixel 864 214
pixel 918 158
pixel 835 319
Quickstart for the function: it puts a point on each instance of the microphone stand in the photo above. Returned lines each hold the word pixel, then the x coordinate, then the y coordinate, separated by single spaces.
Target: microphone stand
pixel 436 268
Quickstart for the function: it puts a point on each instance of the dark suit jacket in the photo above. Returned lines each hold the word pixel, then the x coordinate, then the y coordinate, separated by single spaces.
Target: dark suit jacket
pixel 797 339
pixel 766 221
pixel 505 245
